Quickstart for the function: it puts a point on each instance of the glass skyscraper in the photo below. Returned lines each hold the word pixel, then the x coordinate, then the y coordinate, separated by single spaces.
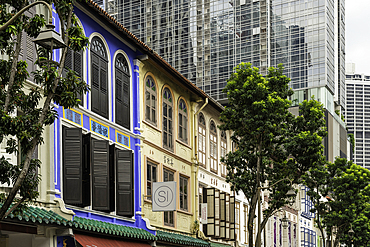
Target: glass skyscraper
pixel 358 113
pixel 205 39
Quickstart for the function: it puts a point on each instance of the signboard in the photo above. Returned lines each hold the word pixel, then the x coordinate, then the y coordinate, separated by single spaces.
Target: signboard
pixel 203 213
pixel 164 196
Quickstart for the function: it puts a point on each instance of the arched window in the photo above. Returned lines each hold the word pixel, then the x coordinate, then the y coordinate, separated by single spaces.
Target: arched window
pixel 150 100
pixel 167 119
pixel 99 78
pixel 223 152
pixel 122 75
pixel 183 121
pixel 202 140
pixel 213 146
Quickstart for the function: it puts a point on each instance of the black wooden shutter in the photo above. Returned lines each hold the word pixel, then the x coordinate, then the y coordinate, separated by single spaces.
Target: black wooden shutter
pixel 119 98
pixel 77 67
pixel 209 198
pixel 124 183
pixel 100 174
pixel 227 212
pixel 95 87
pixel 112 162
pixel 104 88
pixel 232 217
pixel 217 213
pixel 222 215
pixel 72 169
pixel 28 52
pixel 126 101
pixel 86 160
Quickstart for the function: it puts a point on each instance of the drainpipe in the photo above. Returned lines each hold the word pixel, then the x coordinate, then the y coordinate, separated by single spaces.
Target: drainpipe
pixel 195 168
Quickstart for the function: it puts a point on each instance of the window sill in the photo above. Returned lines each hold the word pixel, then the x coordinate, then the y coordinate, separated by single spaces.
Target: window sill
pixel 148 201
pixel 183 143
pixel 214 171
pixel 152 126
pixel 184 212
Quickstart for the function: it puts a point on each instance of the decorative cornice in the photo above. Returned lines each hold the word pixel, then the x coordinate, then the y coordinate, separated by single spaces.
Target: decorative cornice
pixel 167 152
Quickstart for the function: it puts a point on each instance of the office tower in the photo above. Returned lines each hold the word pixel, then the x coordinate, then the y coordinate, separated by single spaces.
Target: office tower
pixel 358 113
pixel 205 39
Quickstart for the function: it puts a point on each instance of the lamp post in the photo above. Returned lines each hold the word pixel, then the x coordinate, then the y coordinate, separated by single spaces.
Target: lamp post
pixel 284 222
pixel 291 193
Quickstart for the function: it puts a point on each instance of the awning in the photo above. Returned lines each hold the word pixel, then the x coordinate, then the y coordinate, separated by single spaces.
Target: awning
pixel 89 241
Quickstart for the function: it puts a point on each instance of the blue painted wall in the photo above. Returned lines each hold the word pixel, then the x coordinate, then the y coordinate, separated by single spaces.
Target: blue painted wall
pixel 84 119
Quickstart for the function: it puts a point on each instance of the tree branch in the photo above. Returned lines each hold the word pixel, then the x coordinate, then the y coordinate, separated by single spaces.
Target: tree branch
pixel 14 207
pixel 13 71
pixel 35 140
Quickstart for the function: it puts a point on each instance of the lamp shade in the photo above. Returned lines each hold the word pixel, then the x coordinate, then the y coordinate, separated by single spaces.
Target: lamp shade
pixel 49 39
pixel 284 221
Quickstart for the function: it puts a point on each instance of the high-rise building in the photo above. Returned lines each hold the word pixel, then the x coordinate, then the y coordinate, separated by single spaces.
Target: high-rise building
pixel 205 39
pixel 358 113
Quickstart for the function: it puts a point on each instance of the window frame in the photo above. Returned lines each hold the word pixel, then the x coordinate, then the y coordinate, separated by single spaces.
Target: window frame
pixel 223 146
pixel 202 134
pixel 153 109
pixel 102 62
pixel 182 194
pixel 126 96
pixel 213 150
pixel 183 128
pixel 152 164
pixel 168 213
pixel 167 120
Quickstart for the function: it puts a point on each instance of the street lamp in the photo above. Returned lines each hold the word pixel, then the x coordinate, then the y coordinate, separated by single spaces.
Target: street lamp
pixel 285 223
pixel 291 193
pixel 3 27
pixel 48 38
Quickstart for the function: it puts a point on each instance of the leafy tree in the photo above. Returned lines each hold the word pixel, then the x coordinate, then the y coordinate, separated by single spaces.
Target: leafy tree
pixel 346 187
pixel 23 132
pixel 272 144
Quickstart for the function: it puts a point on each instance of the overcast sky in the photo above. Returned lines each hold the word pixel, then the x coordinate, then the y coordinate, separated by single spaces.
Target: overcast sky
pixel 358 34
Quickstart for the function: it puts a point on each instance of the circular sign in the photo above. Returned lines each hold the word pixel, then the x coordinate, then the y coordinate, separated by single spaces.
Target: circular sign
pixel 163 196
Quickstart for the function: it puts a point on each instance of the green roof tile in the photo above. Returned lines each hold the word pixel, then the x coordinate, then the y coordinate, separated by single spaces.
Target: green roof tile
pixel 39 215
pixel 112 229
pixel 176 238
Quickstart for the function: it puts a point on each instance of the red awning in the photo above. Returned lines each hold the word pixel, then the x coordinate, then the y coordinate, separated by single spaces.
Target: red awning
pixel 89 241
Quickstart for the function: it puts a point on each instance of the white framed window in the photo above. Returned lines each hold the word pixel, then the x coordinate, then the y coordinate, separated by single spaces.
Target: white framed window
pixel 202 140
pixel 213 147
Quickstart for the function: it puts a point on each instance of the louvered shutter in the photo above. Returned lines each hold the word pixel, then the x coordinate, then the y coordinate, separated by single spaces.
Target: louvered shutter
pixel 31 55
pixel 95 87
pixel 100 174
pixel 72 169
pixel 227 212
pixel 104 88
pixel 119 97
pixel 222 215
pixel 126 101
pixel 217 213
pixel 209 198
pixel 124 181
pixel 77 67
pixel 112 184
pixel 232 217
pixel 86 158
pixel 28 52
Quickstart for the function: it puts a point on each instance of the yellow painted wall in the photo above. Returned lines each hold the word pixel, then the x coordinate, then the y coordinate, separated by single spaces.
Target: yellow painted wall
pixel 179 160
